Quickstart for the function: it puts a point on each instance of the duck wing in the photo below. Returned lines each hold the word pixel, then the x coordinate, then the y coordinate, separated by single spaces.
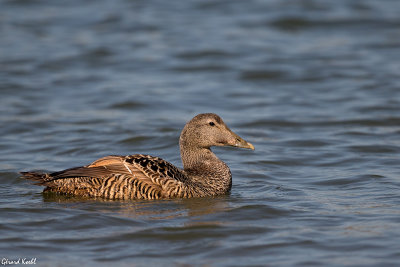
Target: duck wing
pixel 122 177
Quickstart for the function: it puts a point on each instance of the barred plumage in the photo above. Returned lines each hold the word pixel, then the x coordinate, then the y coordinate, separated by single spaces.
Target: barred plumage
pixel 146 177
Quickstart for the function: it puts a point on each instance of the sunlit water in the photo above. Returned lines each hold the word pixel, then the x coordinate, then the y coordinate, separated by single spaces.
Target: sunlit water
pixel 314 85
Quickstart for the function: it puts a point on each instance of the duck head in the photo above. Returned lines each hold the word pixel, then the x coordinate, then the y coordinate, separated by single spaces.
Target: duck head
pixel 207 130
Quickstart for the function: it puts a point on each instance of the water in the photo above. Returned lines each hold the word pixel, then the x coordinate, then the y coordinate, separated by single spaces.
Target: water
pixel 314 85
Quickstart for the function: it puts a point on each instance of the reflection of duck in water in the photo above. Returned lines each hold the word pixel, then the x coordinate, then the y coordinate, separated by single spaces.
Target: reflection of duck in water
pixel 147 177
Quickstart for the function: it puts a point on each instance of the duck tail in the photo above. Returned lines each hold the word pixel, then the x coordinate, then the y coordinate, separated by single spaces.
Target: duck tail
pixel 40 178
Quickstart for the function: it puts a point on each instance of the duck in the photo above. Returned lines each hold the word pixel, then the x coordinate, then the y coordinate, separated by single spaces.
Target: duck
pixel 141 176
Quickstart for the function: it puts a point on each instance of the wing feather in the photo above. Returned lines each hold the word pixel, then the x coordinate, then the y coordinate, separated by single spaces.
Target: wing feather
pixel 149 177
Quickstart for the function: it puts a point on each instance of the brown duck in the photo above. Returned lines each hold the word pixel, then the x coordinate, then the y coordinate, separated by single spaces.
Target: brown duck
pixel 147 177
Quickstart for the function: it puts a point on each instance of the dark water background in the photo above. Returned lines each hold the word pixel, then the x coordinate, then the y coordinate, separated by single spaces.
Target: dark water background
pixel 314 85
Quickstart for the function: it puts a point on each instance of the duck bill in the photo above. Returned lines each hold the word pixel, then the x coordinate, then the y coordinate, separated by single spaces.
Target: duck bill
pixel 237 141
pixel 245 144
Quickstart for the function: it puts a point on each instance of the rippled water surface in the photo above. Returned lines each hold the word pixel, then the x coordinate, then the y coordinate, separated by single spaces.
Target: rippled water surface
pixel 314 85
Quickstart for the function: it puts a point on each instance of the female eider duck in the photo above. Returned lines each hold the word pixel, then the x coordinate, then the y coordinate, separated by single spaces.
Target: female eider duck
pixel 146 177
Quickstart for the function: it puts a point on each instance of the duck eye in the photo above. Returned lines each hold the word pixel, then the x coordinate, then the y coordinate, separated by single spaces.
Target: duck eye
pixel 211 123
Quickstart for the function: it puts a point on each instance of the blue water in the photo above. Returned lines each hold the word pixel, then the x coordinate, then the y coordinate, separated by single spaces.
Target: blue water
pixel 314 85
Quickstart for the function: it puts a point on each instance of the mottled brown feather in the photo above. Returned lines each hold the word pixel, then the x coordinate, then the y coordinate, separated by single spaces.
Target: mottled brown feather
pixel 108 177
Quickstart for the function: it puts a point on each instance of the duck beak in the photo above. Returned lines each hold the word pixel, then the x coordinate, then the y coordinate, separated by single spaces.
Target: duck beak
pixel 244 144
pixel 237 141
pixel 249 146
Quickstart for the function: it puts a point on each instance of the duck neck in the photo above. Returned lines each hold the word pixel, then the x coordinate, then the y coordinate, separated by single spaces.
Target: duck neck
pixel 206 169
